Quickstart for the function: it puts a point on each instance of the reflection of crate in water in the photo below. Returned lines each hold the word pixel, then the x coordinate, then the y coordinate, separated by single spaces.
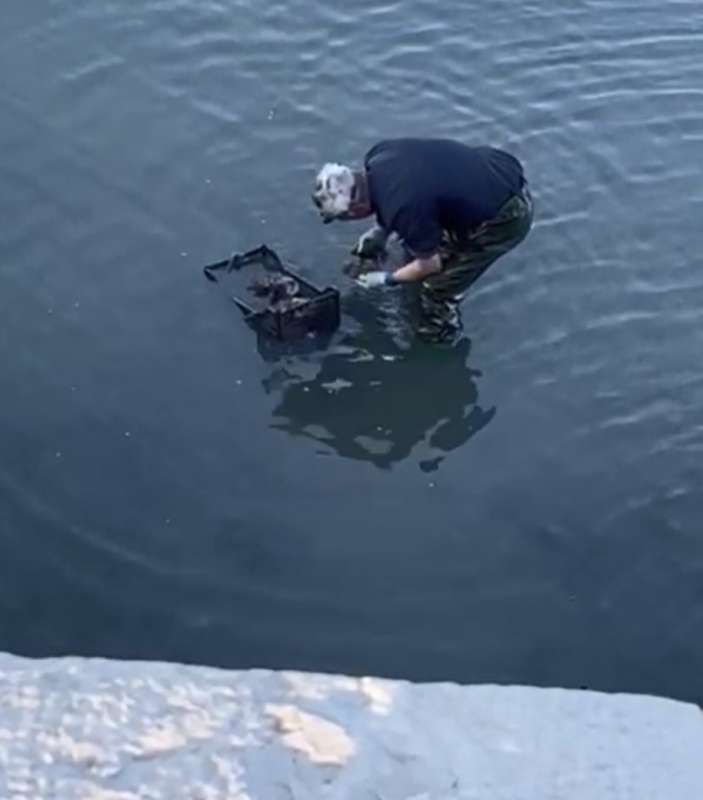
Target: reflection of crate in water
pixel 316 310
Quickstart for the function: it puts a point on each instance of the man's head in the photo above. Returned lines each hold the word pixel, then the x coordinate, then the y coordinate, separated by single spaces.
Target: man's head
pixel 340 193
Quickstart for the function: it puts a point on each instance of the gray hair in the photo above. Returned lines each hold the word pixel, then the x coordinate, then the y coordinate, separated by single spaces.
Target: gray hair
pixel 334 187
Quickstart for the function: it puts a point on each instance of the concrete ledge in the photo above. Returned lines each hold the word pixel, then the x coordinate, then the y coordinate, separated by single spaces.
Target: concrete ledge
pixel 78 729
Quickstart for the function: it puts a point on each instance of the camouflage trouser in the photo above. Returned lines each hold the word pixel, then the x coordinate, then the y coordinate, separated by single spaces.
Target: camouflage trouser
pixel 465 261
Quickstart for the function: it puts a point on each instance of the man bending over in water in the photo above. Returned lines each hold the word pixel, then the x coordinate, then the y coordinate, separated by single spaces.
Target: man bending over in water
pixel 455 208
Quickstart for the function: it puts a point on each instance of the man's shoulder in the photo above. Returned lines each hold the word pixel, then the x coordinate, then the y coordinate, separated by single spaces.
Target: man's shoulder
pixel 394 146
pixel 423 146
pixel 381 146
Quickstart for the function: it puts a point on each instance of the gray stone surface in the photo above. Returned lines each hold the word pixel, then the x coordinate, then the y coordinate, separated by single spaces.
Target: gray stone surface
pixel 100 730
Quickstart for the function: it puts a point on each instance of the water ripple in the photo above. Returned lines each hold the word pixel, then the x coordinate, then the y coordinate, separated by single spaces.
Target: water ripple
pixel 137 138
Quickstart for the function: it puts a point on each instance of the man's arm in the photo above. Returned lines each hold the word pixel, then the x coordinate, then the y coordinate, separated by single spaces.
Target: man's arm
pixel 417 270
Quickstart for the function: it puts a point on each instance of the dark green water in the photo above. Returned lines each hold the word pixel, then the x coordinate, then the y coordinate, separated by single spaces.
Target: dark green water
pixel 526 508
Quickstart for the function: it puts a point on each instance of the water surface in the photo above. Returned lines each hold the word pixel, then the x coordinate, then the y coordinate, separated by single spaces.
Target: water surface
pixel 526 508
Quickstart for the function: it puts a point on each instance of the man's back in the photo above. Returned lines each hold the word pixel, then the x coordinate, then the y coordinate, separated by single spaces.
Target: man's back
pixel 420 186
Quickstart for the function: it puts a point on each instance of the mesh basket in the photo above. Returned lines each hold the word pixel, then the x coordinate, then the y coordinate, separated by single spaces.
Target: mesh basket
pixel 317 311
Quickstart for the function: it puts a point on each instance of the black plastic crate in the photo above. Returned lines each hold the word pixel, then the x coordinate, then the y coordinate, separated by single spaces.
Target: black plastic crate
pixel 317 312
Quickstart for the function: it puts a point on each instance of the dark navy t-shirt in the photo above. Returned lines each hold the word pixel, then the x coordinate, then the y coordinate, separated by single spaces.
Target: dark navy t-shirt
pixel 420 187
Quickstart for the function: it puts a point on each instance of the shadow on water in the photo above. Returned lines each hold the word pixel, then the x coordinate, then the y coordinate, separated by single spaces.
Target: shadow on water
pixel 375 394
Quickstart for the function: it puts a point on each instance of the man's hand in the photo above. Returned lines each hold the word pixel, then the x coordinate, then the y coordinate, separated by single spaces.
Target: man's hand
pixel 372 280
pixel 371 244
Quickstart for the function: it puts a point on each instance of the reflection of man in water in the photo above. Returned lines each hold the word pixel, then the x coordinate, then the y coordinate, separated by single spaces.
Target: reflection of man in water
pixel 373 401
pixel 455 208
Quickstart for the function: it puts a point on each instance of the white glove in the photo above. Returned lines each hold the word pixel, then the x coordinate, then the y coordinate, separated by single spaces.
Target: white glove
pixel 372 243
pixel 372 280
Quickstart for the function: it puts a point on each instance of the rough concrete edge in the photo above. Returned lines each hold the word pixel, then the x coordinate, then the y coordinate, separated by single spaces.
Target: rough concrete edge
pixel 60 661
